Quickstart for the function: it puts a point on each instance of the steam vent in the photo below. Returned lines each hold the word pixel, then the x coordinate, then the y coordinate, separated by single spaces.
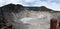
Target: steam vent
pixel 22 17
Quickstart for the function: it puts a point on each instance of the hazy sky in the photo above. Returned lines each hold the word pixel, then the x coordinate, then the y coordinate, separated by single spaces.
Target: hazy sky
pixel 52 4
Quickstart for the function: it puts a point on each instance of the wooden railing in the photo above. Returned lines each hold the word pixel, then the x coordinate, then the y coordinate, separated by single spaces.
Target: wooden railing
pixel 54 24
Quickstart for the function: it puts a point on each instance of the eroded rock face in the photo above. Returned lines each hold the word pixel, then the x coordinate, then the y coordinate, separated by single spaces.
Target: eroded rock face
pixel 31 20
pixel 38 20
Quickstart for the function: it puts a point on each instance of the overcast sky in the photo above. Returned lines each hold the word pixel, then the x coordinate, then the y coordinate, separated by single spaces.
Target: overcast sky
pixel 52 4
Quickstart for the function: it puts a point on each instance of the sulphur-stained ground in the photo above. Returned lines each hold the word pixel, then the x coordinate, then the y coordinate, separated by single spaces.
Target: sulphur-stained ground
pixel 31 19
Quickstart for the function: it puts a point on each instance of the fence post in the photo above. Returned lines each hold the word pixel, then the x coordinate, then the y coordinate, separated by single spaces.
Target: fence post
pixel 53 24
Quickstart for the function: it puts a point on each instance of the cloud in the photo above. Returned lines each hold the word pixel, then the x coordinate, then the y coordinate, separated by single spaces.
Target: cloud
pixel 48 3
pixel 5 2
pixel 28 1
pixel 54 6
